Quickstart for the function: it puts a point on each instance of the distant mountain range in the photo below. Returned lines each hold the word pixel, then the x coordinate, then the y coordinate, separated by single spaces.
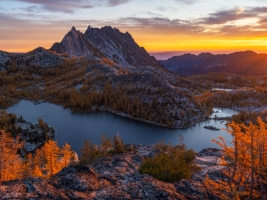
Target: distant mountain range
pixel 245 63
pixel 168 54
pixel 164 55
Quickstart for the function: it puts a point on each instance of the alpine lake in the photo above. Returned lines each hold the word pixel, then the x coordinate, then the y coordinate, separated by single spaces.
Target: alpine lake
pixel 74 127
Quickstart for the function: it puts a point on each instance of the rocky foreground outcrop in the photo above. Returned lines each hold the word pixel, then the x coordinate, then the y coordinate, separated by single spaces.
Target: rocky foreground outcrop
pixel 116 177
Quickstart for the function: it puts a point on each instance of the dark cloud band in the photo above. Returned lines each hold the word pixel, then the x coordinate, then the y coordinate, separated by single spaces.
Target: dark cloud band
pixel 70 6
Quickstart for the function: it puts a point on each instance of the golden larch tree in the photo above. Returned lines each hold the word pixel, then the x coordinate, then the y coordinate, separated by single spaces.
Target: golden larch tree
pixel 67 155
pixel 245 163
pixel 11 164
pixel 52 157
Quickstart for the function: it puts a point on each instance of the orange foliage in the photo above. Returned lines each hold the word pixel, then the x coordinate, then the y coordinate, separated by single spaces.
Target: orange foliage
pixel 245 163
pixel 45 162
pixel 11 166
pixel 50 159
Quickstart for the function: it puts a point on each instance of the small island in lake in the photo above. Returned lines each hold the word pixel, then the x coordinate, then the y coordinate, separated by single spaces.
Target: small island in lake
pixel 211 128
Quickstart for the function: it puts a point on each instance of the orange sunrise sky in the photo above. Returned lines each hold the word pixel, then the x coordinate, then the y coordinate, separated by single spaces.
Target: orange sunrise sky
pixel 218 26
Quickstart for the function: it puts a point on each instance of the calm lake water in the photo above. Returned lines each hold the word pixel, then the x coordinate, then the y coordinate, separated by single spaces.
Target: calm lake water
pixel 74 128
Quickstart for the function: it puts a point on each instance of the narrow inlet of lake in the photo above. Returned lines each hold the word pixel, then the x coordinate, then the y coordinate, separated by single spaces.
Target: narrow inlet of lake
pixel 74 128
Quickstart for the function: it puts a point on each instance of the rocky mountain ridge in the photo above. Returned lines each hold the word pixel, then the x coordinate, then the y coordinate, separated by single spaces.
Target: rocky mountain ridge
pixel 117 177
pixel 95 44
pixel 119 47
pixel 39 57
pixel 244 63
pixel 74 44
pixel 105 42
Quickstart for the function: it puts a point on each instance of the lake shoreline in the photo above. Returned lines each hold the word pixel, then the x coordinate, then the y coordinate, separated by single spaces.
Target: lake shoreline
pixel 122 114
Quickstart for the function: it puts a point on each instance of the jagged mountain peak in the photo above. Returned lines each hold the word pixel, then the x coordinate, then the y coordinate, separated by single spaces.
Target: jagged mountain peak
pixel 104 28
pixel 74 44
pixel 109 33
pixel 119 47
pixel 75 31
pixel 73 28
pixel 106 42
